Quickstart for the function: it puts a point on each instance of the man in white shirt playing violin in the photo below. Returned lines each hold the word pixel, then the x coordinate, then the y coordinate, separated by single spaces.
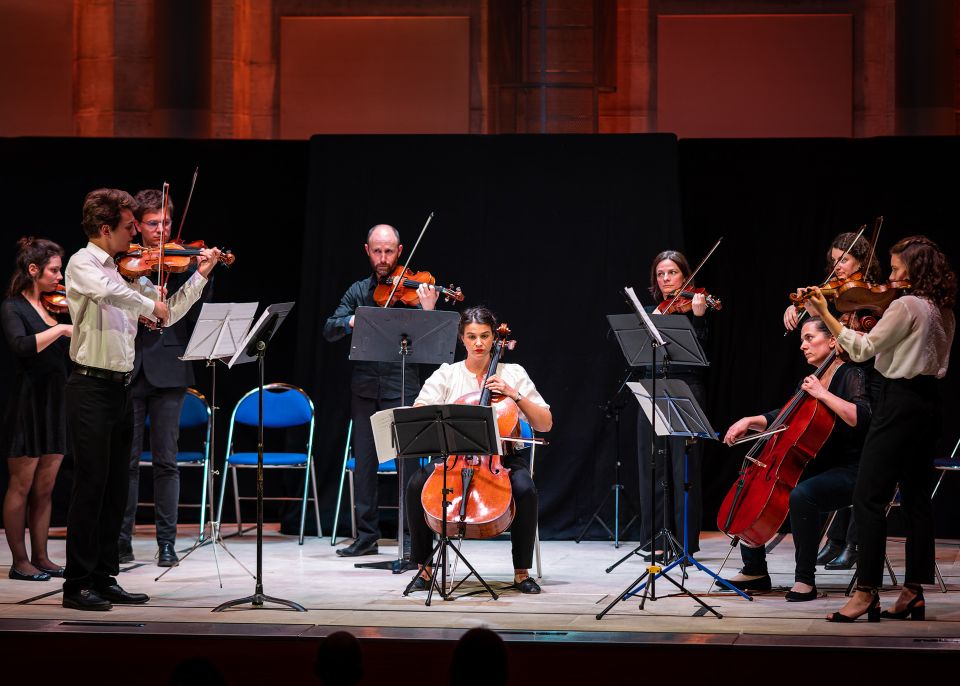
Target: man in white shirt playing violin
pixel 105 309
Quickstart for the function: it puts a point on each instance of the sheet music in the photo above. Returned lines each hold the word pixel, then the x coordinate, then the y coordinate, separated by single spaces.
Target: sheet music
pixel 382 423
pixel 642 313
pixel 219 330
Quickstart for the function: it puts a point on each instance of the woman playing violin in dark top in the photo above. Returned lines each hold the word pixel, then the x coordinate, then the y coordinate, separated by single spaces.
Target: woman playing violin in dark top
pixel 33 434
pixel 668 272
pixel 828 480
pixel 911 348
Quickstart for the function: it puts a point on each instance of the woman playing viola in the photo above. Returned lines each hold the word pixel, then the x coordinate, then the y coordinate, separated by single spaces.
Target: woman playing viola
pixel 33 434
pixel 842 266
pixel 828 480
pixel 911 348
pixel 668 272
pixel 451 381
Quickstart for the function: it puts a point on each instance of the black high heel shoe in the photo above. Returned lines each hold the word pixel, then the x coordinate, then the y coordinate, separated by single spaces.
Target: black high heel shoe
pixel 916 609
pixel 872 612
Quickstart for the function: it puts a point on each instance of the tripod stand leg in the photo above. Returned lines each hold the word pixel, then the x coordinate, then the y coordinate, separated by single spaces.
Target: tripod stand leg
pixel 664 575
pixel 635 551
pixel 596 516
pixel 624 594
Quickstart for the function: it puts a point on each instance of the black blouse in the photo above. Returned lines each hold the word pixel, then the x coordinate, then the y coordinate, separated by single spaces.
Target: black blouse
pixel 845 442
pixel 21 324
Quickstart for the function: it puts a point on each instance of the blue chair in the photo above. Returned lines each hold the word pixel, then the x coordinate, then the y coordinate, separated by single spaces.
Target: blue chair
pixel 284 406
pixel 346 474
pixel 194 414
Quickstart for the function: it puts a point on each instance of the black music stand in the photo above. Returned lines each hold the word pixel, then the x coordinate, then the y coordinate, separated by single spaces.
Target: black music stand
pixel 672 412
pixel 254 347
pixel 440 431
pixel 612 410
pixel 418 336
pixel 219 331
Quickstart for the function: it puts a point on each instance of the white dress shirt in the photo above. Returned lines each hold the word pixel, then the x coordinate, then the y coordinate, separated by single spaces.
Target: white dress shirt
pixel 911 339
pixel 105 308
pixel 451 381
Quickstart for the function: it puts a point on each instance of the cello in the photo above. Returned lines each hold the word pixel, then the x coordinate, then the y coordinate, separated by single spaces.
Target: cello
pixel 758 502
pixel 480 494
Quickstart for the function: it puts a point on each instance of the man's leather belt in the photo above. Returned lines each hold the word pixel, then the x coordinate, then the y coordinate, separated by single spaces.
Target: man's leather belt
pixel 109 375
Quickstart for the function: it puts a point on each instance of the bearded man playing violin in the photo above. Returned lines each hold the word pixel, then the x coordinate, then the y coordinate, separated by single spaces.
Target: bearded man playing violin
pixel 374 386
pixel 160 382
pixel 104 309
pixel 447 384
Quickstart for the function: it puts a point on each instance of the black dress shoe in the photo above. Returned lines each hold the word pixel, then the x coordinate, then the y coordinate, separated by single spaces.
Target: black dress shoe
pixel 125 552
pixel 86 600
pixel 528 585
pixel 58 572
pixel 17 575
pixel 797 597
pixel 845 560
pixel 167 556
pixel 420 584
pixel 358 548
pixel 761 583
pixel 115 594
pixel 829 551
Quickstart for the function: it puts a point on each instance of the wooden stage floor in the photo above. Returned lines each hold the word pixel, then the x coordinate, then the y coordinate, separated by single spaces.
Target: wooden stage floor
pixel 553 637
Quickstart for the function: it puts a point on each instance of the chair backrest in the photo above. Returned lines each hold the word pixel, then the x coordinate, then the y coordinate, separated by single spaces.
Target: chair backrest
pixel 284 406
pixel 195 411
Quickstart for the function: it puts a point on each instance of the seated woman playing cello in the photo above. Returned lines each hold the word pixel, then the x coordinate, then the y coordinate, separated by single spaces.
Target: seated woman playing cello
pixel 828 480
pixel 447 384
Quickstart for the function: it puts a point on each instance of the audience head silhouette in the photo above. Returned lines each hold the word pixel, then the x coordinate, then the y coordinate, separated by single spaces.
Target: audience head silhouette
pixel 480 657
pixel 338 660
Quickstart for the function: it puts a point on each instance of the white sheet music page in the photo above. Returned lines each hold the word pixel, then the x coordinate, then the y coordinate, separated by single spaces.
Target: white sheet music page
pixel 382 423
pixel 219 330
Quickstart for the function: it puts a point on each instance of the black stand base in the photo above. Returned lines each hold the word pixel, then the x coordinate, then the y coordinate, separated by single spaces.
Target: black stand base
pixel 395 566
pixel 257 600
pixel 616 532
pixel 439 556
pixel 648 589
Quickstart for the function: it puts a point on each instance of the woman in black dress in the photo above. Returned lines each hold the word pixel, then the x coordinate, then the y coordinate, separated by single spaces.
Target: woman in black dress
pixel 33 433
pixel 668 272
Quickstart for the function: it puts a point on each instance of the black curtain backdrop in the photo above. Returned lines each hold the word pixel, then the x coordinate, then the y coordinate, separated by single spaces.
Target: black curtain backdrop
pixel 546 230
pixel 249 197
pixel 778 204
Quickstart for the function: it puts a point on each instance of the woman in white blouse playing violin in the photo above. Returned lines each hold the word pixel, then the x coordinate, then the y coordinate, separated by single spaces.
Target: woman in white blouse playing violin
pixel 911 347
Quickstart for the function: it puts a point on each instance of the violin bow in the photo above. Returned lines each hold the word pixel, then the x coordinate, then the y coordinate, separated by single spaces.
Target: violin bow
pixel 693 274
pixel 164 195
pixel 193 184
pixel 404 271
pixel 877 225
pixel 833 272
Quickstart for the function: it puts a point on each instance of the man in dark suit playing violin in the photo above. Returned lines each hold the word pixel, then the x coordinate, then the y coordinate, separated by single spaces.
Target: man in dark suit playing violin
pixel 374 385
pixel 160 381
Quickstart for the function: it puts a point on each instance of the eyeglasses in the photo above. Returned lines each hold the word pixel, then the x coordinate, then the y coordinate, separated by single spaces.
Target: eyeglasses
pixel 155 223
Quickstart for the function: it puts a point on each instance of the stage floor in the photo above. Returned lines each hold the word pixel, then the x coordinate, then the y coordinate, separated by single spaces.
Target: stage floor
pixel 575 589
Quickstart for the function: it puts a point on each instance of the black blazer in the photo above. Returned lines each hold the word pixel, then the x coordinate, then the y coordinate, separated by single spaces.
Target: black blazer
pixel 158 353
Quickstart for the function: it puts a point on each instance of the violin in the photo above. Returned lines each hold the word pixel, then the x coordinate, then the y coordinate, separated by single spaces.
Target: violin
pixel 406 292
pixel 682 302
pixel 478 486
pixel 855 293
pixel 758 502
pixel 55 301
pixel 140 261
